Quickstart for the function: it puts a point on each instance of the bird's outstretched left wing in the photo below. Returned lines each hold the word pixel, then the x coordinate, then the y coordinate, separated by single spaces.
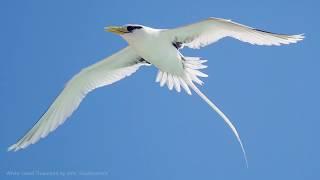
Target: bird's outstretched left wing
pixel 205 32
pixel 105 72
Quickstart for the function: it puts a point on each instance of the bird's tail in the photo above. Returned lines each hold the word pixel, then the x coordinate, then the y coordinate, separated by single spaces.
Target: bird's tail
pixel 192 66
pixel 221 114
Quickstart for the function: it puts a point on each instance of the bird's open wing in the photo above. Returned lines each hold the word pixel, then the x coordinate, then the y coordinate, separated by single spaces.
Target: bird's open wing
pixel 211 30
pixel 105 72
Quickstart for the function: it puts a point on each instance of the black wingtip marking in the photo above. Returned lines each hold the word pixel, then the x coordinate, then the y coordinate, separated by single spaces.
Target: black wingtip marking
pixel 269 32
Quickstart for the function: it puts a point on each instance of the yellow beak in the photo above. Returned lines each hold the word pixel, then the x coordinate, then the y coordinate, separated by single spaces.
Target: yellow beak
pixel 116 29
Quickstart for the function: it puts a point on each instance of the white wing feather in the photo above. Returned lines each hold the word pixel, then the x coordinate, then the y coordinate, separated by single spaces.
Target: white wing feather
pixel 105 72
pixel 205 32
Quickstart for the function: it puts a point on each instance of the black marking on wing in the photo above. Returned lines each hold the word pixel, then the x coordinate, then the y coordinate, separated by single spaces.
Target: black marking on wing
pixel 141 60
pixel 269 32
pixel 177 45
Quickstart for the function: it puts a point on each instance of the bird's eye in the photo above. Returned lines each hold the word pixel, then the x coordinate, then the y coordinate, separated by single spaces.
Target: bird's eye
pixel 131 28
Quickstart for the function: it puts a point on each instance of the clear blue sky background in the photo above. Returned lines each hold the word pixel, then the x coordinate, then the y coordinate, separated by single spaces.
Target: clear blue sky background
pixel 136 130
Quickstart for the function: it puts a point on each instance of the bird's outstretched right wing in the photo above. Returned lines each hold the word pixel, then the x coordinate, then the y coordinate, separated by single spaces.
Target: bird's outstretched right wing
pixel 208 31
pixel 105 72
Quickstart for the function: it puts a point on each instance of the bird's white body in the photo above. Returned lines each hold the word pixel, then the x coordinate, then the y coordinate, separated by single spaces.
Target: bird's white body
pixel 155 47
pixel 159 47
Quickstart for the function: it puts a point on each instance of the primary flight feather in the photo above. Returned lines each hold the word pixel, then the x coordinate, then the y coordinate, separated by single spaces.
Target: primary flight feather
pixel 148 46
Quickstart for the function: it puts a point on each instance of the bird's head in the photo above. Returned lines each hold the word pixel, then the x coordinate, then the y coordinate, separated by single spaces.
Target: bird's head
pixel 129 32
pixel 126 29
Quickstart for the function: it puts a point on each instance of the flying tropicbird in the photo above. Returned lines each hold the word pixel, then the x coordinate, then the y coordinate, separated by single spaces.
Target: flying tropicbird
pixel 148 46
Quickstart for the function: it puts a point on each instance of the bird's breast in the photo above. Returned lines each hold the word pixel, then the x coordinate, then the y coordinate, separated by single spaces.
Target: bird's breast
pixel 162 54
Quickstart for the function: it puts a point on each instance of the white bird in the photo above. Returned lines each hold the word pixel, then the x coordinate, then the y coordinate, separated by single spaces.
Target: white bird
pixel 148 46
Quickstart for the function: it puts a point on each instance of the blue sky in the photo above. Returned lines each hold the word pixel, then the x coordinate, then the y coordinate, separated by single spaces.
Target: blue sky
pixel 136 130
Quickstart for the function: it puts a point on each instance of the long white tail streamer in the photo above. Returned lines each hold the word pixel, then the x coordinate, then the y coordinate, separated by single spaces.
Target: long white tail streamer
pixel 221 114
pixel 193 65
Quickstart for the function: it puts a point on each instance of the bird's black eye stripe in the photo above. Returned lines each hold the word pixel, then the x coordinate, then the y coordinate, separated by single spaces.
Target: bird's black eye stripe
pixel 131 28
